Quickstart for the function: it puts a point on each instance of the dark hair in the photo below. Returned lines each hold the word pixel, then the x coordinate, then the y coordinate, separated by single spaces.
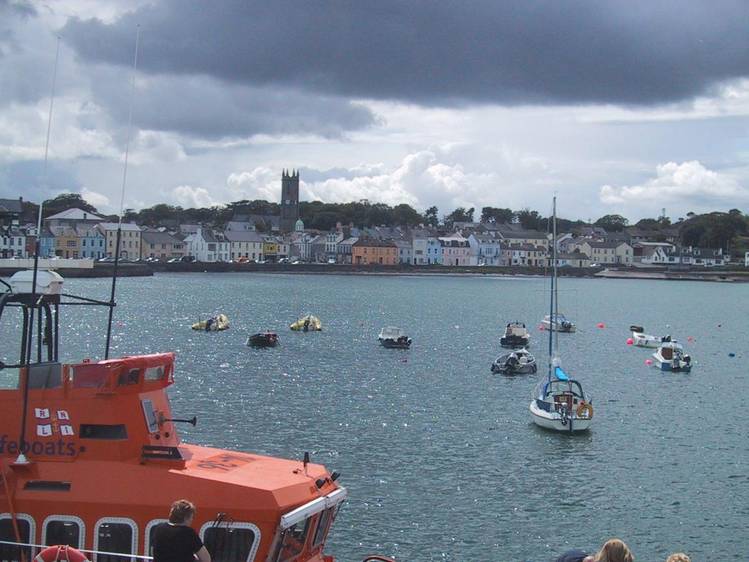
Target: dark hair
pixel 180 511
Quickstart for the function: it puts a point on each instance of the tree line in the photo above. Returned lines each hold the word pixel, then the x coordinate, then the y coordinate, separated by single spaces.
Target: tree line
pixel 716 230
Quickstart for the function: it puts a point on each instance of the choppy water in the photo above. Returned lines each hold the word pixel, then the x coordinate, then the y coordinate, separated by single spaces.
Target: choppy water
pixel 439 455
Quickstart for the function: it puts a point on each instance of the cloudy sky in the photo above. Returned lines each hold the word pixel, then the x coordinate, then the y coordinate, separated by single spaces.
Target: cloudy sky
pixel 619 106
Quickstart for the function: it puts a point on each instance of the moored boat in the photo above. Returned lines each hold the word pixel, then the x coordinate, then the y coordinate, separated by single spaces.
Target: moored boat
pixel 517 362
pixel 641 339
pixel 394 338
pixel 308 323
pixel 263 339
pixel 516 336
pixel 558 323
pixel 559 403
pixel 670 356
pixel 217 323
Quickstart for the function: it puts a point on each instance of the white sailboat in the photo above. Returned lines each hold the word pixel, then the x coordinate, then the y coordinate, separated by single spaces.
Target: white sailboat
pixel 559 402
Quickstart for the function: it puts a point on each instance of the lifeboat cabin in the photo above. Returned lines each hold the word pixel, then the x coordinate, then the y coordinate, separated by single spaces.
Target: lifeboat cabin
pixel 91 457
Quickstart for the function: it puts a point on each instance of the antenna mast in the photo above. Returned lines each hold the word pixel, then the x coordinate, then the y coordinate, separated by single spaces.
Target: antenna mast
pixel 21 459
pixel 112 303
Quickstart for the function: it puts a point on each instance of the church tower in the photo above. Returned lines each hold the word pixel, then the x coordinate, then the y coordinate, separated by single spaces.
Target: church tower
pixel 289 200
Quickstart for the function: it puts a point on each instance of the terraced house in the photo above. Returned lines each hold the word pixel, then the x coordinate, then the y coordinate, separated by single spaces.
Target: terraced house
pixel 161 245
pixel 372 251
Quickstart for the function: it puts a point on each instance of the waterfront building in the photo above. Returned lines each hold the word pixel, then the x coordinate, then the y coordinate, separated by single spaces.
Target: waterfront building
pixel 419 247
pixel 130 239
pixel 332 239
pixel 527 255
pixel 161 245
pixel 91 242
pixel 695 256
pixel 487 249
pixel 67 242
pixel 456 251
pixel 46 243
pixel 208 246
pixel 270 248
pixel 13 243
pixel 372 251
pixel 289 200
pixel 244 245
pixel 606 252
pixel 572 259
pixel 434 251
pixel 405 251
pixel 343 249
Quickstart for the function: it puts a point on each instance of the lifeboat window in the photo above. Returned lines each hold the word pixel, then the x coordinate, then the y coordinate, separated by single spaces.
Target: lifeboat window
pixel 63 529
pixel 45 375
pixel 230 541
pixel 89 376
pixel 292 541
pixel 116 535
pixel 130 377
pixel 155 373
pixel 150 414
pixel 150 530
pixel 9 553
pixel 101 431
pixel 326 519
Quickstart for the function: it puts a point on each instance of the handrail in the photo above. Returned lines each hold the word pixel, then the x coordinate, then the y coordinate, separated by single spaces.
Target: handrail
pixel 31 545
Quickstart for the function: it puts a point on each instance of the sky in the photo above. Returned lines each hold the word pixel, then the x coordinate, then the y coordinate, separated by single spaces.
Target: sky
pixel 615 106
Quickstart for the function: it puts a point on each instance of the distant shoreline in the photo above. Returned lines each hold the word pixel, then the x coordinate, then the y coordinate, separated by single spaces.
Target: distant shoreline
pixel 102 270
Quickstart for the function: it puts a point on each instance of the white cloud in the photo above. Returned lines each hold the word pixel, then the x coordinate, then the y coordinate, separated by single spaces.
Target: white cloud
pixel 260 183
pixel 685 182
pixel 187 196
pixel 98 200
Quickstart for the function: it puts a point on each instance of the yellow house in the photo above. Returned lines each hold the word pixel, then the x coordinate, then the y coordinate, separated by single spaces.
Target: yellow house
pixel 67 243
pixel 270 248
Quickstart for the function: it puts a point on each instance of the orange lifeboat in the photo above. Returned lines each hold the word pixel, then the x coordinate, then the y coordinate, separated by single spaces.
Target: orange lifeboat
pixel 90 457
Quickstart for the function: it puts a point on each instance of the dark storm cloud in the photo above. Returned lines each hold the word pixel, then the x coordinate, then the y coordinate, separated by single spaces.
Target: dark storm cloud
pixel 206 108
pixel 26 178
pixel 522 51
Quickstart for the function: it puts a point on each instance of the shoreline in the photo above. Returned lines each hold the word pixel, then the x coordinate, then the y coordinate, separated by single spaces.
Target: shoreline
pixel 103 270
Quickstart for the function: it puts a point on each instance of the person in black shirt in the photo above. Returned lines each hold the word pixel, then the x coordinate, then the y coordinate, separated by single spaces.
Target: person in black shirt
pixel 176 541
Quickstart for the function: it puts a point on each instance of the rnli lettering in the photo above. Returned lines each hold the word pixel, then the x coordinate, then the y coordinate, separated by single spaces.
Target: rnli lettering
pixel 57 448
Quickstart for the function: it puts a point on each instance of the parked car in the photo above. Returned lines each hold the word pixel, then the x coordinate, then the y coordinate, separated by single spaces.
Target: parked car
pixel 174 260
pixel 188 259
pixel 260 261
pixel 331 261
pixel 283 260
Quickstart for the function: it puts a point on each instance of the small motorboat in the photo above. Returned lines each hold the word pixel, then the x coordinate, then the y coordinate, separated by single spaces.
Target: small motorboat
pixel 558 323
pixel 670 356
pixel 394 338
pixel 217 323
pixel 516 336
pixel 307 323
pixel 641 339
pixel 560 404
pixel 263 339
pixel 518 362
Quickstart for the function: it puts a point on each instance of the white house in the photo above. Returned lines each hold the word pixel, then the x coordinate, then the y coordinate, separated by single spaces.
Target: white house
pixel 404 251
pixel 13 244
pixel 246 244
pixel 208 246
pixel 332 239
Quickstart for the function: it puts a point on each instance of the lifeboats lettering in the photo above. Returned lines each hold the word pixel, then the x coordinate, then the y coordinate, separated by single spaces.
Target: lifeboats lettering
pixel 223 462
pixel 57 448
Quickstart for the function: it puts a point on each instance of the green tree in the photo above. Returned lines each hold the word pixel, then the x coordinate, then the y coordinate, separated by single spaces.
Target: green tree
pixel 497 215
pixel 405 215
pixel 66 201
pixel 530 220
pixel 431 217
pixel 612 223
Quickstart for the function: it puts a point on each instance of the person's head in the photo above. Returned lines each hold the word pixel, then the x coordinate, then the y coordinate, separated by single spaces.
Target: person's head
pixel 614 550
pixel 678 557
pixel 182 512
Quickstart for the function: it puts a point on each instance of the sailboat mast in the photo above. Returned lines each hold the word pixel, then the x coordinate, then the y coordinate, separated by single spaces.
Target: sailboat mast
pixel 556 281
pixel 122 199
pixel 553 288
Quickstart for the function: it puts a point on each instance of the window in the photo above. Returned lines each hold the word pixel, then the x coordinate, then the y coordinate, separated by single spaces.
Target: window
pixel 26 529
pixel 150 530
pixel 63 529
pixel 154 373
pixel 115 535
pixel 292 541
pixel 230 542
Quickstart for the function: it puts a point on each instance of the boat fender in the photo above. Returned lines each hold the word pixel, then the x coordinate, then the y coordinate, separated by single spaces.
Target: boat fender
pixel 60 553
pixel 585 410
